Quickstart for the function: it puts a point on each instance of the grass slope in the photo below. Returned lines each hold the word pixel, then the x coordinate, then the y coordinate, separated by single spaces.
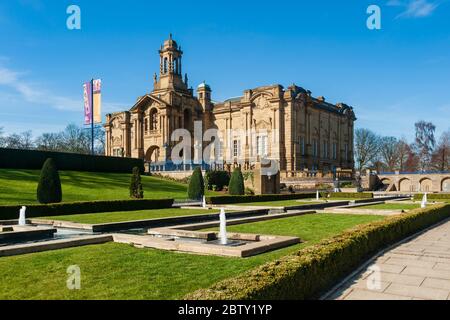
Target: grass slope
pixel 106 217
pixel 392 206
pixel 19 186
pixel 119 271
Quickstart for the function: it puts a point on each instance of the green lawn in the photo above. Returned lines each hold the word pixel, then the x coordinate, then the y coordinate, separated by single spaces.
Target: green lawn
pixel 392 206
pixel 119 271
pixel 19 186
pixel 106 217
pixel 281 203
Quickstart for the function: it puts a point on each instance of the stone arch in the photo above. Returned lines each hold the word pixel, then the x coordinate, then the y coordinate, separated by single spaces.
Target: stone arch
pixel 445 184
pixel 386 183
pixel 152 154
pixel 426 184
pixel 405 185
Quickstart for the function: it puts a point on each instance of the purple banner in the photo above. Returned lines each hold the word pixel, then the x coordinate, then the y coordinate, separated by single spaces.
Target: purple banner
pixel 87 96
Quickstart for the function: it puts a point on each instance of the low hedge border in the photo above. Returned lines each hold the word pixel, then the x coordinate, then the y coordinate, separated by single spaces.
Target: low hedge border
pixel 310 271
pixel 357 195
pixel 67 208
pixel 433 196
pixel 258 198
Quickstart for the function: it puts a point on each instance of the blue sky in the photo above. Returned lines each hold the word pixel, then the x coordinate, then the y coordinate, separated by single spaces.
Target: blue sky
pixel 392 77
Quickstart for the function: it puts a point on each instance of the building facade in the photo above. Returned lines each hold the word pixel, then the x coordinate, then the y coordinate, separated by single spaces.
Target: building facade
pixel 287 125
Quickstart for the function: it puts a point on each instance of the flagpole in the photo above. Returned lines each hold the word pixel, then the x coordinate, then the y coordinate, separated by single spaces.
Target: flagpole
pixel 92 116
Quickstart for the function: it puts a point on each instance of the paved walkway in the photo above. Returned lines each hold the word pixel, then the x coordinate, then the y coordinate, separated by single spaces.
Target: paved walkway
pixel 416 269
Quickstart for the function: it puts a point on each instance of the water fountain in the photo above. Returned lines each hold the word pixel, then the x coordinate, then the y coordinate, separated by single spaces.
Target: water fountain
pixel 317 195
pixel 223 227
pixel 204 202
pixel 22 218
pixel 424 202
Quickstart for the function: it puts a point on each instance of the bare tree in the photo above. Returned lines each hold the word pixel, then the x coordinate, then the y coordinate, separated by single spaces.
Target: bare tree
pixel 50 142
pixel 441 156
pixel 403 152
pixel 389 152
pixel 366 148
pixel 2 139
pixel 23 140
pixel 424 143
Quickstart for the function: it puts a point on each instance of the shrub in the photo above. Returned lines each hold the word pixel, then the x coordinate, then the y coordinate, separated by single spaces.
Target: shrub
pixel 49 186
pixel 68 208
pixel 257 198
pixel 307 273
pixel 34 159
pixel 249 191
pixel 433 196
pixel 196 188
pixel 357 195
pixel 236 186
pixel 136 190
pixel 217 178
pixel 323 186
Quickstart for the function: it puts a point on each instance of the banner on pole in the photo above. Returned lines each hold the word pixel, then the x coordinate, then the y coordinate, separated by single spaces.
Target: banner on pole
pixel 92 96
pixel 97 91
pixel 87 97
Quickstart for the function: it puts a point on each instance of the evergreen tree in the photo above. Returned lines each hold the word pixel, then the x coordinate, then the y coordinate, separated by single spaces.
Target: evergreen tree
pixel 49 186
pixel 136 190
pixel 236 186
pixel 196 188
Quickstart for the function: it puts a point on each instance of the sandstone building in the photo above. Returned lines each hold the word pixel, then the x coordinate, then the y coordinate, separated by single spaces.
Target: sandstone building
pixel 289 125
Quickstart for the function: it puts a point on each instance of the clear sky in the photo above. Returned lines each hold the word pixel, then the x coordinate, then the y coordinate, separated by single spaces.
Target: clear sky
pixel 392 77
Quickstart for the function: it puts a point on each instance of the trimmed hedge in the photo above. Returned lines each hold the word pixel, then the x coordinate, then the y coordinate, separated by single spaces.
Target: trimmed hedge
pixel 236 186
pixel 49 186
pixel 67 208
pixel 310 271
pixel 196 188
pixel 357 195
pixel 257 198
pixel 34 159
pixel 433 196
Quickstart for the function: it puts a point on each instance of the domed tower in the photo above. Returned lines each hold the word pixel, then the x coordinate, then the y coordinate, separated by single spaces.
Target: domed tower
pixel 204 96
pixel 170 67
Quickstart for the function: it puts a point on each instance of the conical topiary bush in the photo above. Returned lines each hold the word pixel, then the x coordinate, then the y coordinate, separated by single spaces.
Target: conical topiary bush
pixel 236 186
pixel 196 188
pixel 136 190
pixel 49 187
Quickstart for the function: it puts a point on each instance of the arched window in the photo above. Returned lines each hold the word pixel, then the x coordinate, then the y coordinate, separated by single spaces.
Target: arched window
pixel 175 66
pixel 154 120
pixel 165 65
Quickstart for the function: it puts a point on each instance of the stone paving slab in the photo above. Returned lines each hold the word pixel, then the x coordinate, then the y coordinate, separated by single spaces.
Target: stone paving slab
pixel 418 269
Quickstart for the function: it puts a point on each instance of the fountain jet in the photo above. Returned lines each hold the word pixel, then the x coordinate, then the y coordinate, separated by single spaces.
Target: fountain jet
pixel 22 218
pixel 424 201
pixel 223 227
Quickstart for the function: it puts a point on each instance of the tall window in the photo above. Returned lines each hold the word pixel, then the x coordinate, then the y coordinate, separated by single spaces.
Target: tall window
pixel 314 148
pixel 145 125
pixel 261 146
pixel 153 120
pixel 165 66
pixel 334 150
pixel 302 145
pixel 236 147
pixel 346 152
